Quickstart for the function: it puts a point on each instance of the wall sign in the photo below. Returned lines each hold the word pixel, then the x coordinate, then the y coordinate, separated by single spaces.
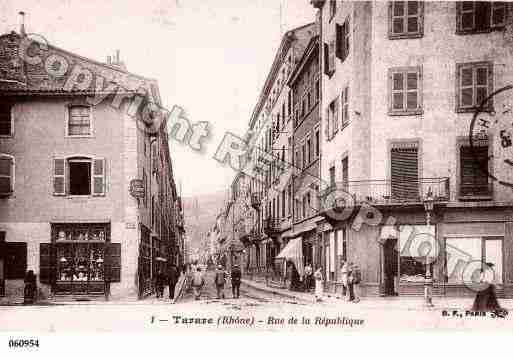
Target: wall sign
pixel 137 189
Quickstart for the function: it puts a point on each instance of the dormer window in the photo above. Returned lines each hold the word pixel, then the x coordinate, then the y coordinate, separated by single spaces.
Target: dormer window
pixel 79 121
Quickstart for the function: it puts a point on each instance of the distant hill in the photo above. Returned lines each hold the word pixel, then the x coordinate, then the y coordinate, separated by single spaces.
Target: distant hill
pixel 200 213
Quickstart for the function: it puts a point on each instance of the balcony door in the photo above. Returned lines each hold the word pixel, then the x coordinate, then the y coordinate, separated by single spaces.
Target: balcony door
pixel 404 173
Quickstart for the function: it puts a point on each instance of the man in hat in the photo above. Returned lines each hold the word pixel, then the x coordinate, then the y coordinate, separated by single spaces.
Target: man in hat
pixel 220 280
pixel 236 276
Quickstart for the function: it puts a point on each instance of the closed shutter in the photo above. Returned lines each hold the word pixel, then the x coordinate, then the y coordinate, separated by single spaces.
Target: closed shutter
pixel 473 163
pixel 98 177
pixel 15 260
pixel 345 173
pixel 113 262
pixel 326 59
pixel 404 173
pixel 46 263
pixel 498 13
pixel 59 177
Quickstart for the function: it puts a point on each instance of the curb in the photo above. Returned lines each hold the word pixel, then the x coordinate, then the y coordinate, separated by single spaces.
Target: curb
pixel 270 290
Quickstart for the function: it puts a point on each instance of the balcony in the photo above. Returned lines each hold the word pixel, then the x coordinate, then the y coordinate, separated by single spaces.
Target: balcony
pixel 256 200
pixel 271 227
pixel 385 192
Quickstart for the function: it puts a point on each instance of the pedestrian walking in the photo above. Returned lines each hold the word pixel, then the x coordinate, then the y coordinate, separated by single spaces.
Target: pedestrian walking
pixel 353 280
pixel 343 274
pixel 172 278
pixel 308 277
pixel 197 283
pixel 160 281
pixel 318 284
pixel 236 277
pixel 486 299
pixel 220 280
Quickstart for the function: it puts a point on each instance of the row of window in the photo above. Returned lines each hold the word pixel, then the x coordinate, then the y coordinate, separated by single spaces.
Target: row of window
pixel 309 150
pixel 406 18
pixel 79 121
pixel 332 114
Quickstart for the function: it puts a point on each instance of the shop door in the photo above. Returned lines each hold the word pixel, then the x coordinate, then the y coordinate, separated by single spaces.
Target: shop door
pixel 391 259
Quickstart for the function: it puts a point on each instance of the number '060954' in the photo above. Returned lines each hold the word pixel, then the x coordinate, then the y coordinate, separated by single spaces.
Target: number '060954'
pixel 23 343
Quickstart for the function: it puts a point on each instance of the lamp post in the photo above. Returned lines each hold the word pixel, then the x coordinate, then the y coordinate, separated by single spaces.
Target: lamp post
pixel 429 204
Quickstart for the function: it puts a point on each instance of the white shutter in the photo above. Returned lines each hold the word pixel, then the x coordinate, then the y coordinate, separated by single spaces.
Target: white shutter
pixel 6 175
pixel 98 182
pixel 59 177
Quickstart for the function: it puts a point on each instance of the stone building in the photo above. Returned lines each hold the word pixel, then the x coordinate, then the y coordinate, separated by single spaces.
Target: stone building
pixel 403 162
pixel 88 200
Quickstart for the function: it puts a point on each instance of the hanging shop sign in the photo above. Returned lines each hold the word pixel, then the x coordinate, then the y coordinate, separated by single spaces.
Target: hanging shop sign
pixel 137 189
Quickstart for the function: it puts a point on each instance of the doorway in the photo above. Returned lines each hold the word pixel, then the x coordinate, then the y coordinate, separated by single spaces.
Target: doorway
pixel 391 260
pixel 2 278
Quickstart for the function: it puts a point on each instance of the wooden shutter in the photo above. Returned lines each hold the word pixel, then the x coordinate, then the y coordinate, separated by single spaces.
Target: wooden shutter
pixel 59 176
pixel 404 173
pixel 347 34
pixel 339 41
pixel 15 260
pixel 335 115
pixel 474 180
pixel 46 263
pixel 498 15
pixel 98 181
pixel 6 175
pixel 113 262
pixel 326 59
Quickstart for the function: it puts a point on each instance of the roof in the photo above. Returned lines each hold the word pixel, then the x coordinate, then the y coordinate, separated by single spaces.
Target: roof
pixel 20 77
pixel 279 57
pixel 311 50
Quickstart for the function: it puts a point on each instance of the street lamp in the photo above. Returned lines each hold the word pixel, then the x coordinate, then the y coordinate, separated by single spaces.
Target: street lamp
pixel 429 204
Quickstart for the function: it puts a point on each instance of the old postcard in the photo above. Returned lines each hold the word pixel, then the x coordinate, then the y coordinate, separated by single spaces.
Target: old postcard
pixel 255 165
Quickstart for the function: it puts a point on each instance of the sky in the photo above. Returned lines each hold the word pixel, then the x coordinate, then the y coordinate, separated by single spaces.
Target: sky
pixel 210 57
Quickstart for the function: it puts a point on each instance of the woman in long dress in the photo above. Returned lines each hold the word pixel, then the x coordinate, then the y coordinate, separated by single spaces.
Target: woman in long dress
pixel 318 284
pixel 486 299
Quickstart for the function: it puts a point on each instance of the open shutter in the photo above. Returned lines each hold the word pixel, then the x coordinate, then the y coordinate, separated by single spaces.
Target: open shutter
pixel 327 127
pixel 346 34
pixel 326 59
pixel 113 262
pixel 46 263
pixel 6 175
pixel 498 14
pixel 59 177
pixel 335 115
pixel 339 41
pixel 404 173
pixel 98 177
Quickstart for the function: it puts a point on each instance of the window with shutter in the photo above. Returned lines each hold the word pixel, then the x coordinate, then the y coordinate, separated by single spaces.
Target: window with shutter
pixel 345 108
pixel 404 173
pixel 331 58
pixel 405 19
pixel 473 17
pixel 345 173
pixel 59 181
pixel 405 88
pixel 7 171
pixel 98 177
pixel 474 83
pixel 6 121
pixel 473 167
pixel 317 143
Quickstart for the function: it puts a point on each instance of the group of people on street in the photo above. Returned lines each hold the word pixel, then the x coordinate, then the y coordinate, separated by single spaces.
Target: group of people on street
pixel 170 279
pixel 220 279
pixel 350 277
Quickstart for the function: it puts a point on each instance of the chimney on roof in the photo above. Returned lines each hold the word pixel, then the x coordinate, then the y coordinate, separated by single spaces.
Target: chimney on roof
pixel 109 61
pixel 22 23
pixel 116 61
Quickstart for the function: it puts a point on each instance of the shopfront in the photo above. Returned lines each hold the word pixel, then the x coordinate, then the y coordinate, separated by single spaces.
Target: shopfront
pixel 80 259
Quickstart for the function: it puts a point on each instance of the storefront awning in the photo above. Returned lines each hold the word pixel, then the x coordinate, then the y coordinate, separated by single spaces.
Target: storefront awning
pixel 301 228
pixel 293 251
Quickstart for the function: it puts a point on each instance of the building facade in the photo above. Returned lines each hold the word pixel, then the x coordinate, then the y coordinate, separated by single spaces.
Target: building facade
pixel 401 84
pixel 89 202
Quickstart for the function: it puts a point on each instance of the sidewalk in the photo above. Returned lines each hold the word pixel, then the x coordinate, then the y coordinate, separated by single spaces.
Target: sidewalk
pixel 389 303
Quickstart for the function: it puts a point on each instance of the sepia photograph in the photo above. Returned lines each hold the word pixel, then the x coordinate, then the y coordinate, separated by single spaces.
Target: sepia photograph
pixel 315 166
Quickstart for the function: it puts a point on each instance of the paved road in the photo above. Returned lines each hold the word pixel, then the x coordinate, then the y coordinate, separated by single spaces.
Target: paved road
pixel 253 310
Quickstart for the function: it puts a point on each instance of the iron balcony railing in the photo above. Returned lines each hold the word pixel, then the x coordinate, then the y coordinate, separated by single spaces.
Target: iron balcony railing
pixel 384 192
pixel 271 226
